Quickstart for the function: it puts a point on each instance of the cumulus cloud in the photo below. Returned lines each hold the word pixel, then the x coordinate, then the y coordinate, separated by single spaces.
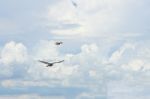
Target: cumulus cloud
pixel 74 70
pixel 11 56
pixel 83 69
pixel 13 52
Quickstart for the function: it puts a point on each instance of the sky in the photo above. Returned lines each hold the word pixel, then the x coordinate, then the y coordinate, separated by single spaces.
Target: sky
pixel 105 47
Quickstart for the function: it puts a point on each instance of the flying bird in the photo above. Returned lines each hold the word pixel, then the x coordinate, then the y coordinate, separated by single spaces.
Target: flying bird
pixel 74 4
pixel 50 64
pixel 58 43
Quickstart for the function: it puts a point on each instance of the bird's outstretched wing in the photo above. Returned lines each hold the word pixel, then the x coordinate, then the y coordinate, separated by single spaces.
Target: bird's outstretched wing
pixel 58 62
pixel 44 62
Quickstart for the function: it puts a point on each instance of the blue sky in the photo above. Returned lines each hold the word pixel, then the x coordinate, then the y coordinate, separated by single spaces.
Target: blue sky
pixel 106 49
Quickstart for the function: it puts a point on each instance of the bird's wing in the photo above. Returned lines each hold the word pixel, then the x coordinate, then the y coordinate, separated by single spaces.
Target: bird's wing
pixel 58 62
pixel 44 62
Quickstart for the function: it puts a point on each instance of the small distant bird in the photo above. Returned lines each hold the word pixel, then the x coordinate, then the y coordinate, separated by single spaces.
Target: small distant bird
pixel 58 43
pixel 74 4
pixel 50 64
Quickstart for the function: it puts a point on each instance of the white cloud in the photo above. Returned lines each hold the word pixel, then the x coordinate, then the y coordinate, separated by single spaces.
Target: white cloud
pixel 72 71
pixel 83 69
pixel 116 56
pixel 86 64
pixel 135 65
pixel 127 60
pixel 13 53
pixel 94 18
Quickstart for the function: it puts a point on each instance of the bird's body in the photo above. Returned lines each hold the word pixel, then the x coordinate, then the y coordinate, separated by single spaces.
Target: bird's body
pixel 50 64
pixel 58 43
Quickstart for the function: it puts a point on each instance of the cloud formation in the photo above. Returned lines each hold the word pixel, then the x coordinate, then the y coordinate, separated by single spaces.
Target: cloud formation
pixel 117 19
pixel 13 52
pixel 82 69
pixel 114 48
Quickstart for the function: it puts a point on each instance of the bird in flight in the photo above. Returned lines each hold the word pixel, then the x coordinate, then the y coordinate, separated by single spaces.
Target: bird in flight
pixel 58 43
pixel 74 4
pixel 50 64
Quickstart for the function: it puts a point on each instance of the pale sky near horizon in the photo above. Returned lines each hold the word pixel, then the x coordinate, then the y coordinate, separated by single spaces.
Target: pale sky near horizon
pixel 106 49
